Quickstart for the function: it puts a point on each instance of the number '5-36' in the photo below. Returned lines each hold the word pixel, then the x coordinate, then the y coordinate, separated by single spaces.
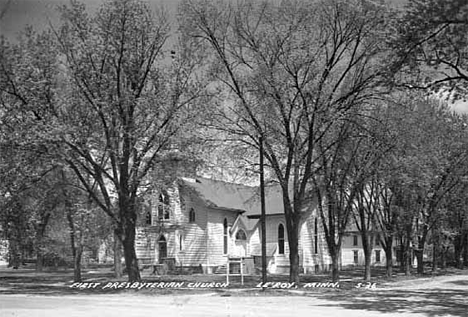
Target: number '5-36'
pixel 365 285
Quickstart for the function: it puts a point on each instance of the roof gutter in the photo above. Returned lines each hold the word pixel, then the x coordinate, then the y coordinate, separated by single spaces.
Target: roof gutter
pixel 258 215
pixel 227 209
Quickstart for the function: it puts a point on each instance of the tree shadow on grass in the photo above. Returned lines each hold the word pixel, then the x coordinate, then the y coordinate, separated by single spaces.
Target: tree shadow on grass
pixel 433 302
pixel 459 282
pixel 44 283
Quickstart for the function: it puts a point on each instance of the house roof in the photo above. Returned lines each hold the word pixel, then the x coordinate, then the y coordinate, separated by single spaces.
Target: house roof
pixel 236 197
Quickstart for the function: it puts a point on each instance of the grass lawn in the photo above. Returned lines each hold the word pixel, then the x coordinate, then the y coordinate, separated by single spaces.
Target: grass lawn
pixel 56 282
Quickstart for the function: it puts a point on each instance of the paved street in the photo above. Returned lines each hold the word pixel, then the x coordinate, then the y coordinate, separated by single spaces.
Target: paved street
pixel 194 305
pixel 441 296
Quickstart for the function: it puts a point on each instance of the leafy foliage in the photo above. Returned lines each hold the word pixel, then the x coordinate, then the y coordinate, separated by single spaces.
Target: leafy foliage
pixel 287 72
pixel 430 46
pixel 104 98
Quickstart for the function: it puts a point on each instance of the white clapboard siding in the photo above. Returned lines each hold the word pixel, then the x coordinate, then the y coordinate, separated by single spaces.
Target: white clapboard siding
pixel 215 228
pixel 194 251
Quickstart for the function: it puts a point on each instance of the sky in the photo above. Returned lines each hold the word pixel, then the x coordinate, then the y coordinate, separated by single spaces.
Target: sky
pixel 15 15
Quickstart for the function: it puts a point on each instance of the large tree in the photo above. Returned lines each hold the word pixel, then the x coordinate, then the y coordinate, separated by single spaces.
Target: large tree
pixel 107 100
pixel 285 72
pixel 427 163
pixel 367 166
pixel 344 181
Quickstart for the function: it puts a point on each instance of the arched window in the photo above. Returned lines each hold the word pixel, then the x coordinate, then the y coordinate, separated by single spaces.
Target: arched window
pixel 164 197
pixel 192 215
pixel 225 236
pixel 163 206
pixel 281 239
pixel 240 235
pixel 162 249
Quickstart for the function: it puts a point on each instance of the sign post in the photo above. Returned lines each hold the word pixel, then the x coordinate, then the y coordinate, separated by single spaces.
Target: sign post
pixel 263 217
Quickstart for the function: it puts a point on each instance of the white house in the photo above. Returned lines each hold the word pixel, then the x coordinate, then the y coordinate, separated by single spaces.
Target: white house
pixel 352 253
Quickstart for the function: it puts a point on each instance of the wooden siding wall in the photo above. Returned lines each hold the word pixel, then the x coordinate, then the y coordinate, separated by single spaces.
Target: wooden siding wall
pixel 194 250
pixel 311 261
pixel 145 243
pixel 254 239
pixel 194 235
pixel 279 262
pixel 215 230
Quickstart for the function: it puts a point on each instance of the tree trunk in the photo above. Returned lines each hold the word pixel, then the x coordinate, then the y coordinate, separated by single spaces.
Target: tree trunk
pixel 131 261
pixel 401 256
pixel 367 266
pixel 420 261
pixel 407 258
pixel 294 261
pixel 465 248
pixel 389 262
pixel 434 256
pixel 76 251
pixel 292 225
pixel 366 246
pixel 39 261
pixel 420 251
pixel 14 254
pixel 335 266
pixel 77 265
pixel 117 255
pixel 39 254
pixel 458 247
pixel 39 242
pixel 443 258
pixel 389 256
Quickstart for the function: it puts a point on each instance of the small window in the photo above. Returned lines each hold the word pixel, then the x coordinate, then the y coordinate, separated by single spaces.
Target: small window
pixel 356 256
pixel 225 236
pixel 281 239
pixel 240 235
pixel 316 236
pixel 160 212
pixel 148 218
pixel 355 240
pixel 181 242
pixel 377 240
pixel 192 215
pixel 377 256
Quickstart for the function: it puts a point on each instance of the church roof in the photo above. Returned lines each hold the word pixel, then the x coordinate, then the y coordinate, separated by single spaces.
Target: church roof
pixel 236 197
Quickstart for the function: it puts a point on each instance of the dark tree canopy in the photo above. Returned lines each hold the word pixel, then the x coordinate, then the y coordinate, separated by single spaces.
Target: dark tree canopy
pixel 430 44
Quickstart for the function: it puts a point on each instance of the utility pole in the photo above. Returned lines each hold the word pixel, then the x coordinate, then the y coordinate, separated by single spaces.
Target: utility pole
pixel 263 218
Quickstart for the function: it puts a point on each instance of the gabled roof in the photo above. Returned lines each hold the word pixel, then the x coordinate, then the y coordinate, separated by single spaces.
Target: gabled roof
pixel 236 197
pixel 247 223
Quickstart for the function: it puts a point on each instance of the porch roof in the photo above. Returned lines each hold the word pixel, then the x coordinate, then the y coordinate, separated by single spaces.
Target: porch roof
pixel 247 223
